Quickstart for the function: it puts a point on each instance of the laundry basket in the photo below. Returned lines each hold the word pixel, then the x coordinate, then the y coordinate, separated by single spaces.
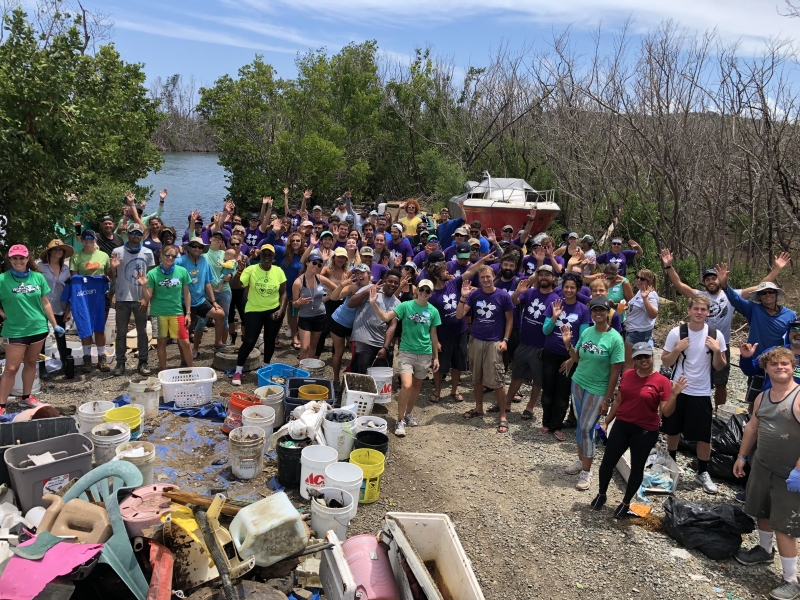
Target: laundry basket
pixel 188 387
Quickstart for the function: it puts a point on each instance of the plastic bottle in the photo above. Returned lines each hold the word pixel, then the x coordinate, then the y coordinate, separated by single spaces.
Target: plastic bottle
pixel 69 367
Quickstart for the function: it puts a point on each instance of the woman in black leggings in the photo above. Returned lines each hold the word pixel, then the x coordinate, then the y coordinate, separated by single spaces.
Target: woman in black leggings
pixel 644 395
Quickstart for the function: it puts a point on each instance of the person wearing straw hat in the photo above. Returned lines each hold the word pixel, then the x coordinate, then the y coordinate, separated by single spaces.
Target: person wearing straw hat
pixel 26 309
pixel 55 268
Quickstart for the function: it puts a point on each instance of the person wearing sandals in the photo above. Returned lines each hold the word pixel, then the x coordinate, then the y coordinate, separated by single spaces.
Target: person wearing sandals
pixel 644 396
pixel 310 293
pixel 418 347
pixel 56 271
pixel 600 354
pixel 492 318
pixel 27 311
pixel 557 368
pixel 452 333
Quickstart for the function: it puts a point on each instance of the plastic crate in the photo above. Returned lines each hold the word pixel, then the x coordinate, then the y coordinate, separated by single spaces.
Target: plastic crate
pixel 364 400
pixel 188 387
pixel 292 400
pixel 25 432
pixel 265 374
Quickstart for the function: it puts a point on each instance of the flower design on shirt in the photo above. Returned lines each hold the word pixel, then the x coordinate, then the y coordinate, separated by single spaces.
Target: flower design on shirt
pixel 592 348
pixel 457 273
pixel 485 309
pixel 536 308
pixel 450 301
pixel 565 319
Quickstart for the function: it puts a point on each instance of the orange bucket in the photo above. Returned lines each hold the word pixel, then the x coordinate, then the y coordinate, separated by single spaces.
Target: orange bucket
pixel 237 403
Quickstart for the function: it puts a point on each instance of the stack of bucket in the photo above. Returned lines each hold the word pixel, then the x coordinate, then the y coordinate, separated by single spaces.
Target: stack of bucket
pixel 91 414
pixel 131 415
pixel 272 395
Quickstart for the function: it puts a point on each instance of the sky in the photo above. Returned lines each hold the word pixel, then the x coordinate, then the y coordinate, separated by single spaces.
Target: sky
pixel 210 38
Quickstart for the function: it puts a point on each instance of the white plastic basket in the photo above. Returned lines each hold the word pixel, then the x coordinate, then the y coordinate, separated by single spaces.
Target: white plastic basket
pixel 188 387
pixel 364 401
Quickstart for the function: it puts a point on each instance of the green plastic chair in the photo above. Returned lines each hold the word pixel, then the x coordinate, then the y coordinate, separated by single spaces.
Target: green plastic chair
pixel 117 552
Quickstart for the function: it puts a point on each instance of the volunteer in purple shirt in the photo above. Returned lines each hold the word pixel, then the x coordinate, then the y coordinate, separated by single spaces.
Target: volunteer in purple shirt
pixel 542 254
pixel 256 231
pixel 399 246
pixel 556 367
pixel 459 265
pixel 460 236
pixel 342 231
pixel 452 333
pixel 434 258
pixel 431 246
pixel 376 270
pixel 316 217
pixel 528 358
pixel 618 256
pixel 507 278
pixel 492 319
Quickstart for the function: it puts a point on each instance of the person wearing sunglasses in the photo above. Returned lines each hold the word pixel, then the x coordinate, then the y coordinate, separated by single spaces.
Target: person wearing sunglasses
pixel 644 396
pixel 419 347
pixel 618 256
pixel 642 311
pixel 166 289
pixel 129 264
pixel 310 293
pixel 91 262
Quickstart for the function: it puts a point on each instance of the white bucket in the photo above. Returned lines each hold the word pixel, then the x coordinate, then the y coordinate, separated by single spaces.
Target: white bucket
pixel 17 389
pixel 377 424
pixel 275 400
pixel 143 463
pixel 314 366
pixel 247 455
pixel 259 416
pixel 91 414
pixel 313 461
pixel 347 477
pixel 383 380
pixel 340 435
pixel 324 518
pixel 105 446
pixel 146 394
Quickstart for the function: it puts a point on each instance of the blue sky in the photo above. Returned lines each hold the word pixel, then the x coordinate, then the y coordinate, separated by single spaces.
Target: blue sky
pixel 208 38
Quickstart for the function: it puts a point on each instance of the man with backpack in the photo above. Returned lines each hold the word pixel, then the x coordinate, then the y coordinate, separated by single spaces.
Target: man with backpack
pixel 694 349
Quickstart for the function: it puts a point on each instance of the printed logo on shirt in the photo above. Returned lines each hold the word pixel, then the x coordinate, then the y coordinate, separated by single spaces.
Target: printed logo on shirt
pixel 170 283
pixel 24 288
pixel 92 266
pixel 536 308
pixel 450 302
pixel 485 309
pixel 85 293
pixel 265 288
pixel 135 269
pixel 194 273
pixel 592 348
pixel 565 319
pixel 421 319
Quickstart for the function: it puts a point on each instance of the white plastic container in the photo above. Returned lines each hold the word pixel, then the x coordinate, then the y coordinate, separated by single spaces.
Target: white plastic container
pixel 259 416
pixel 91 414
pixel 144 463
pixel 111 325
pixel 146 394
pixel 371 424
pixel 188 387
pixel 17 389
pixel 273 399
pixel 341 436
pixel 364 399
pixel 105 446
pixel 383 381
pixel 313 461
pixel 269 530
pixel 247 455
pixel 347 477
pixel 325 518
pixel 314 366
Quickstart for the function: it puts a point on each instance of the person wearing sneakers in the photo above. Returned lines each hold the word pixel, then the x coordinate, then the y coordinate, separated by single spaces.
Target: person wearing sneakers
pixel 696 351
pixel 92 263
pixel 26 311
pixel 773 488
pixel 266 304
pixel 418 347
pixel 643 394
pixel 129 263
pixel 600 353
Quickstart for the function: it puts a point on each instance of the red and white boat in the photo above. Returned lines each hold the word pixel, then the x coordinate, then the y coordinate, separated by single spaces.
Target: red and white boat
pixel 498 201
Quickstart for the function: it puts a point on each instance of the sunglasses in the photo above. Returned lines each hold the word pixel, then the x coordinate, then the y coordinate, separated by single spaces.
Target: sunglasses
pixel 195 247
pixel 136 233
pixel 236 243
pixel 794 328
pixel 616 243
pixel 768 292
pixel 642 279
pixel 475 247
pixel 88 238
pixel 170 256
pixel 424 290
pixel 316 263
pixel 642 357
pixel 252 220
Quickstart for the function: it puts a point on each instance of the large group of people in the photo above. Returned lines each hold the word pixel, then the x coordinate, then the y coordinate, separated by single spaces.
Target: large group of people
pixel 434 296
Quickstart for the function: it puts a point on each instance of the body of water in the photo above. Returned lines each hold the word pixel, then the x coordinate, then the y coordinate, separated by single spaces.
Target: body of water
pixel 193 180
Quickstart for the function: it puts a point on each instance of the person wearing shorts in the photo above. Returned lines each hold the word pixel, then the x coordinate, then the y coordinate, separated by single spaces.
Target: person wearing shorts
pixel 309 293
pixel 166 288
pixel 773 488
pixel 342 319
pixel 492 319
pixel 694 356
pixel 372 338
pixel 418 347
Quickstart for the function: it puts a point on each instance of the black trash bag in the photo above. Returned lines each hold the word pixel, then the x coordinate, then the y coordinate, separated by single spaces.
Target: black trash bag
pixel 716 531
pixel 717 427
pixel 728 440
pixel 721 467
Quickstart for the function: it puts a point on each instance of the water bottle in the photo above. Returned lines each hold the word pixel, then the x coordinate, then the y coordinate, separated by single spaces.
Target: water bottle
pixel 43 374
pixel 69 367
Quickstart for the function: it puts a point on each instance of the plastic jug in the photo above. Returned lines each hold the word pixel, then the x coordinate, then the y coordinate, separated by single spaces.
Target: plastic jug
pixel 270 530
pixel 87 522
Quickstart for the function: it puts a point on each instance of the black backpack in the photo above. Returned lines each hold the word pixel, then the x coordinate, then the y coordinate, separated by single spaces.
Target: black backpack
pixel 683 333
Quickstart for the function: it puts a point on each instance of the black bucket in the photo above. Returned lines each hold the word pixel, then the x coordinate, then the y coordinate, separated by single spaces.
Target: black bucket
pixel 288 464
pixel 373 440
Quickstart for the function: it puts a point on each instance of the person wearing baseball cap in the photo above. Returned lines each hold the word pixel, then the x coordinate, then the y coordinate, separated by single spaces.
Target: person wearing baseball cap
pixel 376 269
pixel 128 264
pixel 400 250
pixel 418 347
pixel 256 231
pixel 447 226
pixel 618 256
pixel 460 235
pixel 461 261
pixel 23 296
pixel 316 216
pixel 108 238
pixel 587 242
pixel 309 294
pixel 341 210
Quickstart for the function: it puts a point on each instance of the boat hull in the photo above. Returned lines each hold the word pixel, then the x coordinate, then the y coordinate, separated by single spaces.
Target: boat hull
pixel 495 215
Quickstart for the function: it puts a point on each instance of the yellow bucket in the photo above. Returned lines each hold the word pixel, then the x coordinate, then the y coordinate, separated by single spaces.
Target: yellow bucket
pixel 372 463
pixel 313 392
pixel 132 415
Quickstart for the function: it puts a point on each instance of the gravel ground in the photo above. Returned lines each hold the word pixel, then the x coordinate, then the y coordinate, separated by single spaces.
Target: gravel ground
pixel 527 530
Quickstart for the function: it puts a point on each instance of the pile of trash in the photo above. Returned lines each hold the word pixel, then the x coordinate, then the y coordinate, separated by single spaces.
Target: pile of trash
pixel 661 475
